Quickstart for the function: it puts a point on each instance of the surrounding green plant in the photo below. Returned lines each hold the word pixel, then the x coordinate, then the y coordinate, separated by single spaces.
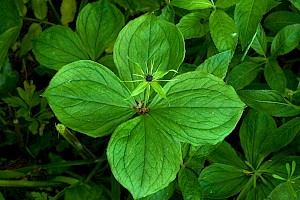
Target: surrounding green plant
pixel 158 88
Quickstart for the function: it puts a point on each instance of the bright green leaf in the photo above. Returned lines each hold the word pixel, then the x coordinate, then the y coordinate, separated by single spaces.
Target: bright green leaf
pixel 217 64
pixel 163 194
pixel 157 88
pixel 255 128
pixel 275 77
pixel 192 4
pixel 247 16
pixel 148 41
pixel 143 157
pixel 58 46
pixel 259 43
pixel 68 10
pixel 219 181
pixel 223 31
pixel 98 25
pixel 139 89
pixel 168 14
pixel 243 74
pixel 189 185
pixel 269 101
pixel 296 3
pixel 194 25
pixel 225 3
pixel 280 19
pixel 89 98
pixel 194 101
pixel 286 40
pixel 40 8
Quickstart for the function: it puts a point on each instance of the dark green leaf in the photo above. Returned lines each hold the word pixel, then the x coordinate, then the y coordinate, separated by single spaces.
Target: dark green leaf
pixel 98 25
pixel 256 127
pixel 143 157
pixel 247 15
pixel 219 181
pixel 84 191
pixel 189 185
pixel 194 101
pixel 280 19
pixel 34 30
pixel 163 194
pixel 194 25
pixel 243 74
pixel 259 43
pixel 15 102
pixel 192 4
pixel 89 98
pixel 217 64
pixel 275 77
pixel 225 3
pixel 40 8
pixel 269 101
pixel 295 3
pixel 284 191
pixel 286 40
pixel 148 40
pixel 8 79
pixel 58 46
pixel 223 31
pixel 21 7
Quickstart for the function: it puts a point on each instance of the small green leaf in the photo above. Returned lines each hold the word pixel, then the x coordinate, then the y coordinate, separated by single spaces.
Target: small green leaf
pixel 189 185
pixel 89 98
pixel 225 3
pixel 98 25
pixel 15 102
pixel 194 25
pixel 192 4
pixel 286 40
pixel 243 74
pixel 217 64
pixel 280 19
pixel 157 88
pixel 58 46
pixel 21 7
pixel 255 128
pixel 139 89
pixel 40 8
pixel 247 16
pixel 34 30
pixel 194 101
pixel 275 77
pixel 223 31
pixel 259 43
pixel 269 101
pixel 68 9
pixel 219 181
pixel 143 157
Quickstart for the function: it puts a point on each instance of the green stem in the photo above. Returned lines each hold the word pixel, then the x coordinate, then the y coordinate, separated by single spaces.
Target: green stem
pixel 22 183
pixel 147 95
pixel 36 20
pixel 54 11
pixel 94 171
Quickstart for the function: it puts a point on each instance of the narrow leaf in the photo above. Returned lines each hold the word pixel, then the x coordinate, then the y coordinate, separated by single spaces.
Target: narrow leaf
pixel 194 101
pixel 223 31
pixel 269 101
pixel 286 40
pixel 259 43
pixel 143 157
pixel 40 8
pixel 89 98
pixel 68 9
pixel 157 88
pixel 243 74
pixel 275 77
pixel 139 89
pixel 192 4
pixel 247 16
pixel 217 64
pixel 58 46
pixel 280 19
pixel 98 25
pixel 189 185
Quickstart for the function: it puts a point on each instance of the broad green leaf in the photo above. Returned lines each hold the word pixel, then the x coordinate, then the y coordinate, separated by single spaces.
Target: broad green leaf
pixel 286 40
pixel 40 8
pixel 261 190
pixel 163 194
pixel 275 77
pixel 296 3
pixel 256 127
pixel 98 25
pixel 143 157
pixel 217 64
pixel 243 74
pixel 247 16
pixel 282 136
pixel 259 43
pixel 89 98
pixel 148 40
pixel 225 3
pixel 192 4
pixel 34 30
pixel 58 46
pixel 189 185
pixel 194 25
pixel 194 101
pixel 280 19
pixel 68 9
pixel 223 31
pixel 168 14
pixel 219 181
pixel 269 101
pixel 225 154
pixel 285 191
pixel 8 79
